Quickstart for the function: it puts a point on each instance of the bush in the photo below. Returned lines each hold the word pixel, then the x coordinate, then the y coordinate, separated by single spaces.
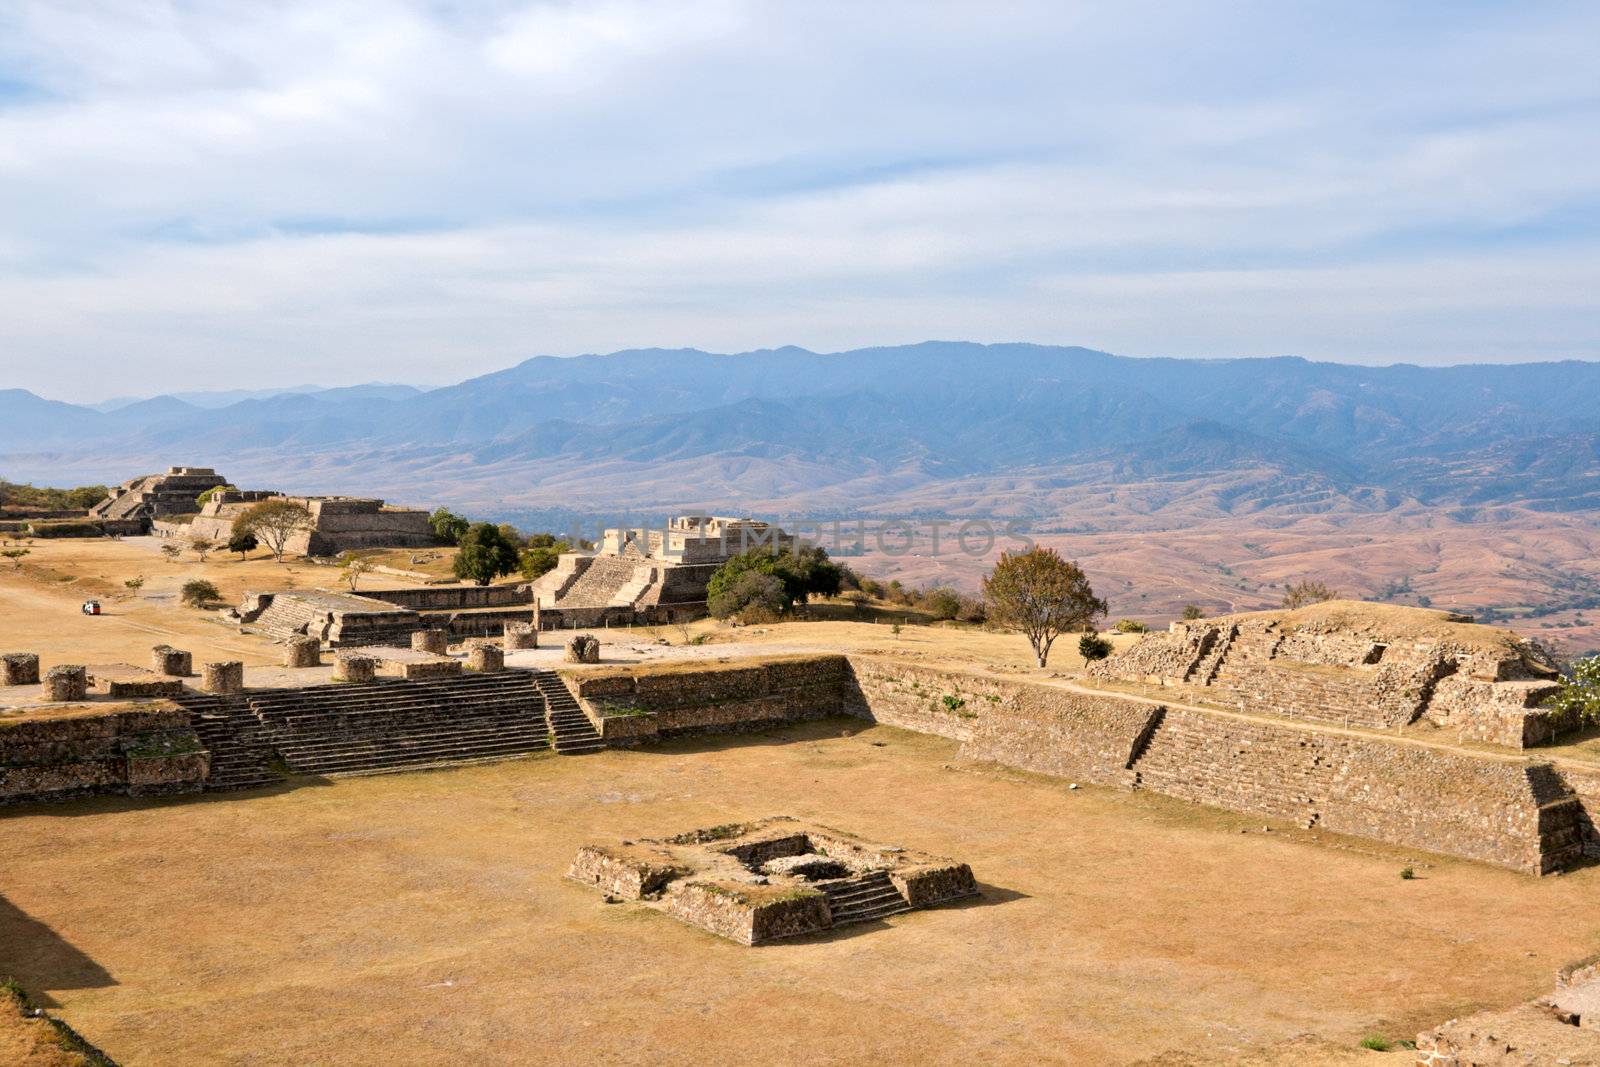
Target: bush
pixel 1092 647
pixel 941 603
pixel 540 559
pixel 1192 612
pixel 1377 1043
pixel 1299 594
pixel 1406 874
pixel 751 596
pixel 197 593
pixel 1131 626
pixel 972 610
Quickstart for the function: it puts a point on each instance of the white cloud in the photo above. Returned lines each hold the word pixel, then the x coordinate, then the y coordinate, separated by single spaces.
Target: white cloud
pixel 344 191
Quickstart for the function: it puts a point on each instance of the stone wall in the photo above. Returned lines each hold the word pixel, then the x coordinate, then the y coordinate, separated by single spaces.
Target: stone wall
pixel 1347 664
pixel 456 597
pixel 640 704
pixel 1509 812
pixel 136 751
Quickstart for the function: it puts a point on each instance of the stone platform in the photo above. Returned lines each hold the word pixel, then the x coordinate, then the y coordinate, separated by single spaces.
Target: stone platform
pixel 774 878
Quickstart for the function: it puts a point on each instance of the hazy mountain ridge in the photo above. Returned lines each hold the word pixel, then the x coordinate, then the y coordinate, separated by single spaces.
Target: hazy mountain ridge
pixel 804 430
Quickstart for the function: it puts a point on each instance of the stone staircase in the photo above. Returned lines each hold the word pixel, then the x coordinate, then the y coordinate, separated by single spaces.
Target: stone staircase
pixel 394 725
pixel 600 582
pixel 864 898
pixel 241 756
pixel 571 732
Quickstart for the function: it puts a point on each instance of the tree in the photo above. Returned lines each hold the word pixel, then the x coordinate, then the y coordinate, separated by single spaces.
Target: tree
pixel 135 584
pixel 353 567
pixel 1192 612
pixel 243 542
pixel 751 596
pixel 1042 595
pixel 273 522
pixel 172 552
pixel 197 593
pixel 201 546
pixel 448 527
pixel 1308 591
pixel 941 602
pixel 538 560
pixel 484 554
pixel 1577 702
pixel 15 556
pixel 1131 626
pixel 1091 646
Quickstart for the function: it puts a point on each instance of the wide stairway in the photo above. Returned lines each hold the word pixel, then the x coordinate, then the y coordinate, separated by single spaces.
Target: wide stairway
pixel 241 756
pixel 571 732
pixel 395 725
pixel 600 582
pixel 863 899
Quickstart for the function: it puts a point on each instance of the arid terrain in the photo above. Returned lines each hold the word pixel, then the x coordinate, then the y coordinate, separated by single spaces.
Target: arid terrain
pixel 414 918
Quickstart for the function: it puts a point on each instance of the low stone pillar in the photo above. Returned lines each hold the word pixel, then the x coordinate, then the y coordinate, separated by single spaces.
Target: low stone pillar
pixel 354 667
pixel 302 652
pixel 583 649
pixel 224 677
pixel 164 659
pixel 486 656
pixel 67 682
pixel 521 635
pixel 435 641
pixel 19 668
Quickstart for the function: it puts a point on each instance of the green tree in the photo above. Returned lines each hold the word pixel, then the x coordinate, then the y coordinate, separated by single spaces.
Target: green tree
pixel 201 547
pixel 1091 646
pixel 135 584
pixel 197 593
pixel 1577 702
pixel 941 602
pixel 803 574
pixel 172 552
pixel 540 559
pixel 273 522
pixel 15 556
pixel 243 542
pixel 352 567
pixel 751 595
pixel 448 527
pixel 1042 595
pixel 484 554
pixel 1192 612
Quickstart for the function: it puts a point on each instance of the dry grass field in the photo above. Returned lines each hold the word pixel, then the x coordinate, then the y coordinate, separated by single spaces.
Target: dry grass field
pixel 423 918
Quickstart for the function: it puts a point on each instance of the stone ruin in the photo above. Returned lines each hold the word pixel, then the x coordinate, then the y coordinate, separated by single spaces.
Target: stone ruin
pixel 154 496
pixel 338 523
pixel 651 576
pixel 387 616
pixel 774 878
pixel 583 649
pixel 1354 664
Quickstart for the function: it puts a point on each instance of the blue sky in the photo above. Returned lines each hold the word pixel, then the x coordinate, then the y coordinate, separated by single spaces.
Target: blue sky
pixel 212 195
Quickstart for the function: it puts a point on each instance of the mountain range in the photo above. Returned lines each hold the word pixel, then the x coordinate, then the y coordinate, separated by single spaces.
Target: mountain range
pixel 938 427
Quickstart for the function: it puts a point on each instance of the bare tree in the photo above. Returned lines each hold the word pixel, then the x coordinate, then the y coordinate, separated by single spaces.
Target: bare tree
pixel 201 546
pixel 172 552
pixel 274 522
pixel 354 567
pixel 1308 591
pixel 1042 595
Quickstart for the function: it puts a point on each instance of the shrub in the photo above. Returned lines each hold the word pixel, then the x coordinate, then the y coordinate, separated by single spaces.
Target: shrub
pixel 172 552
pixel 1192 612
pixel 941 603
pixel 1577 702
pixel 1131 626
pixel 1092 646
pixel 1307 591
pixel 1406 874
pixel 751 596
pixel 197 593
pixel 135 584
pixel 540 559
pixel 1377 1043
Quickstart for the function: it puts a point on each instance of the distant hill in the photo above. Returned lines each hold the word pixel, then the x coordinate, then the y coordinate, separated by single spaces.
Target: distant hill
pixel 881 429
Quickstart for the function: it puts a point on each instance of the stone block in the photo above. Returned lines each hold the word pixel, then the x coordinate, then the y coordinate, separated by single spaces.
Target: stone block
pixel 19 668
pixel 521 635
pixel 175 663
pixel 224 677
pixel 352 667
pixel 487 657
pixel 66 682
pixel 435 641
pixel 583 649
pixel 302 652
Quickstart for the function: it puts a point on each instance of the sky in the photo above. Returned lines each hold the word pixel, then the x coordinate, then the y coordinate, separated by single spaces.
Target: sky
pixel 214 195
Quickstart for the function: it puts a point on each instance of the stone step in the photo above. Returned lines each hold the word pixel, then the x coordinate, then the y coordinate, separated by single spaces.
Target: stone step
pixel 432 754
pixel 311 749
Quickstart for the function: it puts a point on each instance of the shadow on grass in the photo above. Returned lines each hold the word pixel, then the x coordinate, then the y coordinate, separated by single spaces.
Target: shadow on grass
pixel 39 958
